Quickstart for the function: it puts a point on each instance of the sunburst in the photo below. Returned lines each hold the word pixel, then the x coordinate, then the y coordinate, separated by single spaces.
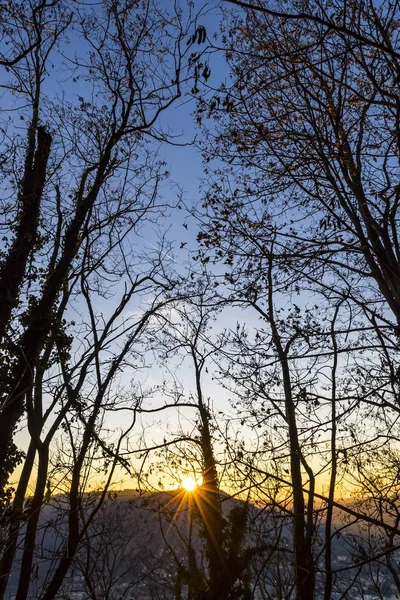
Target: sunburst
pixel 189 484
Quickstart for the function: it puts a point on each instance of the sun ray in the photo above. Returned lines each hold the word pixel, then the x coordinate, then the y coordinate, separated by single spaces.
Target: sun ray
pixel 180 497
pixel 205 505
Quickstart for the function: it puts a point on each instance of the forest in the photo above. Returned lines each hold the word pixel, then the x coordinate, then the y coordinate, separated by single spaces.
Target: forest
pixel 200 300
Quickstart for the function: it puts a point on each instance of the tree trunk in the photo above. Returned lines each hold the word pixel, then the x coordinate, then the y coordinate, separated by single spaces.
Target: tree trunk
pixel 14 267
pixel 32 524
pixel 40 320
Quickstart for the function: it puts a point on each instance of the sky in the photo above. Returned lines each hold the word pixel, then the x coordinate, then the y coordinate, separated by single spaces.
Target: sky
pixel 184 163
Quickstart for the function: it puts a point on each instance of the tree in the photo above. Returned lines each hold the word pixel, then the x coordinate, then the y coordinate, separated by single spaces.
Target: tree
pixel 98 159
pixel 339 89
pixel 248 541
pixel 222 571
pixel 304 151
pixel 72 220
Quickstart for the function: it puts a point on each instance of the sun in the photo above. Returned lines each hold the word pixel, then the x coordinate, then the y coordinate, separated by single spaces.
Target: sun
pixel 189 484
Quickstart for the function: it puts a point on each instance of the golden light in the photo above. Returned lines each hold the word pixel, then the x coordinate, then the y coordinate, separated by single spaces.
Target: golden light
pixel 189 484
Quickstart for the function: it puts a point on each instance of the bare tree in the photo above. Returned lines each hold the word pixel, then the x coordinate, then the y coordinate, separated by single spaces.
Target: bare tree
pixel 303 147
pixel 306 111
pixel 89 186
pixel 98 164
